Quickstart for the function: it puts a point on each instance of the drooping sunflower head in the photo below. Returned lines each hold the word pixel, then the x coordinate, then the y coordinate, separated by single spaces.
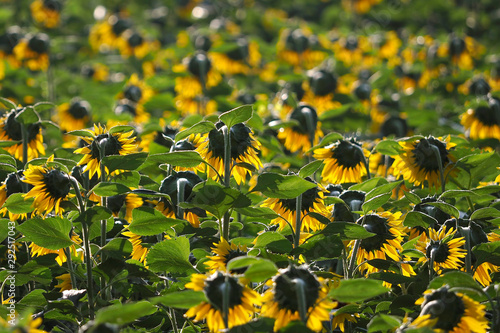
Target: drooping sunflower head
pixel 312 201
pixel 104 144
pixel 136 90
pixel 293 289
pixel 226 251
pixel 129 109
pixel 322 82
pixel 344 161
pixel 129 201
pixel 334 190
pixel 306 133
pixel 9 40
pixel 241 301
pixel 421 160
pixel 425 207
pixel 33 51
pixel 12 184
pixel 483 122
pixel 447 311
pixel 50 187
pixel 442 247
pixel 74 115
pixel 46 12
pixel 394 126
pixel 199 65
pixel 174 185
pixel 244 149
pixel 353 201
pixel 11 130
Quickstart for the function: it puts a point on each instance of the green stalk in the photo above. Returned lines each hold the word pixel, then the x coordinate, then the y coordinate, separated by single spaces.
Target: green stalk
pixel 431 264
pixel 440 165
pixel 468 257
pixel 86 244
pixel 71 269
pixel 102 154
pixel 352 263
pixel 225 302
pixel 298 221
pixel 300 289
pixel 227 178
pixel 24 133
pixel 365 162
pixel 181 186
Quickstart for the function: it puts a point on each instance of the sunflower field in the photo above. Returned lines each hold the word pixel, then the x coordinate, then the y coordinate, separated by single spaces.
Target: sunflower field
pixel 248 166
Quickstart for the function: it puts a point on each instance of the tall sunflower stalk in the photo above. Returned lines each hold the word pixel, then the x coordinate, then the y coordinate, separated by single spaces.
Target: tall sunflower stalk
pixel 227 177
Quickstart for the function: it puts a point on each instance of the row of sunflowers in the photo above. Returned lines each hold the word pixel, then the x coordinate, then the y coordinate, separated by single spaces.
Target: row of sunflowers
pixel 352 186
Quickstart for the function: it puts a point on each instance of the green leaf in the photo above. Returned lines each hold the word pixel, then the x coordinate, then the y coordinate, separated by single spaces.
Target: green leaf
pixel 454 279
pixel 347 230
pixel 236 115
pixel 8 143
pixel 43 106
pixel 262 212
pixel 8 103
pixel 181 299
pixel 171 255
pixel 124 162
pixel 369 184
pixel 376 202
pixel 485 213
pixel 261 270
pixel 121 129
pixel 183 158
pixel 274 242
pixel 327 139
pixel 386 188
pixel 118 248
pixel 310 168
pixel 34 299
pixel 122 314
pixel 388 147
pixel 487 252
pixel 357 290
pixel 419 219
pixel 391 277
pixel 274 185
pixel 457 194
pixel 201 127
pixel 147 221
pixel 106 189
pixel 7 159
pixel 127 178
pixel 384 323
pixel 413 198
pixel 7 167
pixel 82 133
pixel 242 261
pixel 51 233
pixel 27 116
pixel 16 204
pixel 94 214
pixel 321 247
pixel 447 208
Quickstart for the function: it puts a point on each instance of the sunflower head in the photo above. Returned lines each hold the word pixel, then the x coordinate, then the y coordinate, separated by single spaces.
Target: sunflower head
pixel 456 46
pixel 39 43
pixel 394 125
pixel 13 183
pixel 199 65
pixel 333 190
pixel 322 82
pixel 432 211
pixel 445 310
pixel 353 201
pixel 226 251
pixel 378 225
pixel 202 43
pixel 10 39
pixel 74 115
pixel 479 87
pixel 241 51
pixel 118 24
pixel 297 41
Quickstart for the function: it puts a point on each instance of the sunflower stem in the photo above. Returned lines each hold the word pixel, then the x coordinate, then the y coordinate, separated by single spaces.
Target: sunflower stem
pixel 24 133
pixel 298 222
pixel 227 177
pixel 71 269
pixel 440 165
pixel 300 289
pixel 311 129
pixel 431 263
pixel 181 186
pixel 468 257
pixel 225 301
pixel 365 162
pixel 354 254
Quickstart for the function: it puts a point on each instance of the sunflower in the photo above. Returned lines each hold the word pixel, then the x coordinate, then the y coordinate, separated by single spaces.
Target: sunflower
pixel 340 319
pixel 351 50
pixel 11 130
pixel 127 109
pixel 104 35
pixel 381 165
pixel 33 51
pixel 224 252
pixel 130 200
pixel 51 186
pixel 98 72
pixel 418 162
pixel 353 201
pixel 136 90
pixel 139 252
pixel 444 310
pixel 61 258
pixel 461 51
pixel 359 6
pixel 239 60
pixel 64 282
pixel 8 42
pixel 385 244
pixel 244 149
pixel 241 307
pixel 312 201
pixel 296 47
pixel 483 122
pixel 46 12
pixel 319 90
pixel 306 133
pixel 105 144
pixel 184 181
pixel 281 300
pixel 345 161
pixel 132 43
pixel 74 115
pixel 12 184
pixel 440 246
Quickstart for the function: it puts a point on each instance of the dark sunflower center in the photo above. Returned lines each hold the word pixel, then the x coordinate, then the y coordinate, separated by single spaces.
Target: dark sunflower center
pixel 13 128
pixel 286 288
pixel 241 141
pixel 240 52
pixel 133 93
pixel 13 183
pixel 135 40
pixel 301 113
pixel 235 254
pixel 119 25
pixel 363 91
pixel 348 154
pixel 10 39
pixel 115 202
pixel 56 184
pixel 297 41
pixel 440 249
pixel 79 110
pixel 425 158
pixel 353 202
pixel 394 126
pixel 199 65
pixel 308 199
pixel 379 226
pixel 457 46
pixel 446 306
pixel 167 132
pixel 126 108
pixel 39 43
pixel 106 142
pixel 214 290
pixel 322 83
pixel 170 185
pixel 53 5
pixel 488 116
